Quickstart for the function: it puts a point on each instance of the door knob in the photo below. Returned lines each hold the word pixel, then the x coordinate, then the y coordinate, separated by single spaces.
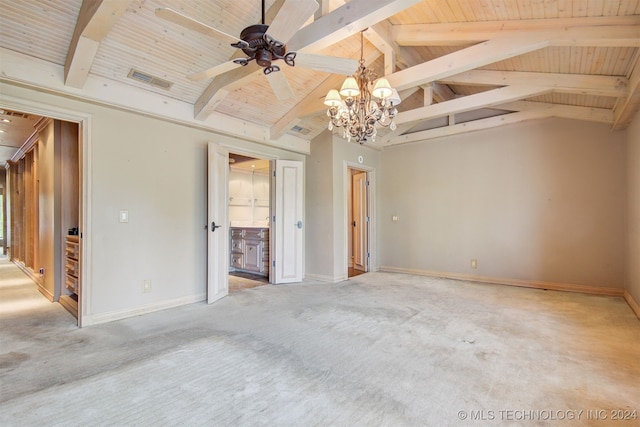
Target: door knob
pixel 299 225
pixel 214 226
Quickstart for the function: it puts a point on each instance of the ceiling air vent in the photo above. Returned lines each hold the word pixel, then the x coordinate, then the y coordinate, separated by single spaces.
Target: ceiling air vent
pixel 300 129
pixel 149 79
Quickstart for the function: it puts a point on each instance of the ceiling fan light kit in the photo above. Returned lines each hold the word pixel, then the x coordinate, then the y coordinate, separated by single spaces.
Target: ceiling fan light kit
pixel 359 109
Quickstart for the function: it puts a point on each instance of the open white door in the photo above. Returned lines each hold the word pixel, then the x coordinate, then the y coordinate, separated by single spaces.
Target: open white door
pixel 359 221
pixel 217 225
pixel 288 221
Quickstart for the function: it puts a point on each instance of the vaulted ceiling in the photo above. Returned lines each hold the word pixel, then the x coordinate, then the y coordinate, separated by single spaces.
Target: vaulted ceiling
pixel 460 65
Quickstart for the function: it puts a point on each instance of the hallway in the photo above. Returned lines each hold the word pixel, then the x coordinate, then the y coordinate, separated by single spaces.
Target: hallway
pixel 21 302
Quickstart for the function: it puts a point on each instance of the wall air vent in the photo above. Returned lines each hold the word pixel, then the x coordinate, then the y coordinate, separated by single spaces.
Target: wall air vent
pixel 14 114
pixel 300 129
pixel 149 79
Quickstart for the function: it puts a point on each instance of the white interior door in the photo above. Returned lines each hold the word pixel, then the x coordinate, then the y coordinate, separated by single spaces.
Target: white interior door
pixel 359 222
pixel 218 225
pixel 288 221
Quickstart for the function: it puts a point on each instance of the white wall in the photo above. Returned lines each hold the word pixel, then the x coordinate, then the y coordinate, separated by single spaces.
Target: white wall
pixel 326 201
pixel 633 209
pixel 157 171
pixel 319 256
pixel 541 201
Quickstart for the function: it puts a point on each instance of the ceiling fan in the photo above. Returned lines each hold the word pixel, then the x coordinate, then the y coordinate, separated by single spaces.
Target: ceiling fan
pixel 266 44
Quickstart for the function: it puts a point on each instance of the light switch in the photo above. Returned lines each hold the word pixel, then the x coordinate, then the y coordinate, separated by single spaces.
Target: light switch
pixel 124 216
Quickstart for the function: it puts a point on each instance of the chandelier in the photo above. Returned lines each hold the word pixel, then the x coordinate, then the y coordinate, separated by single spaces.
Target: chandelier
pixel 360 110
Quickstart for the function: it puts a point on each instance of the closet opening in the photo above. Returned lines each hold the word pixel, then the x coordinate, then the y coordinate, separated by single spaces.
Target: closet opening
pixel 249 221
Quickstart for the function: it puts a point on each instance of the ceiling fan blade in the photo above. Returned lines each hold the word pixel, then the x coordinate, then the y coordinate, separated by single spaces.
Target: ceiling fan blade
pixel 290 18
pixel 330 64
pixel 280 85
pixel 190 23
pixel 213 71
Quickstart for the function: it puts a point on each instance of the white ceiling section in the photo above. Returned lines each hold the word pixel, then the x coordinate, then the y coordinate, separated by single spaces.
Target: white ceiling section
pixel 526 59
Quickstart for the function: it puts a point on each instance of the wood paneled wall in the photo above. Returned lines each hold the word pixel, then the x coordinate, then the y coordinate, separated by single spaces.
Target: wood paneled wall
pixel 37 227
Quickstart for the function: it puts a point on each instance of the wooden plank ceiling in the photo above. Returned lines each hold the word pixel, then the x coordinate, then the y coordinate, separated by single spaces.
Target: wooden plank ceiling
pixel 484 63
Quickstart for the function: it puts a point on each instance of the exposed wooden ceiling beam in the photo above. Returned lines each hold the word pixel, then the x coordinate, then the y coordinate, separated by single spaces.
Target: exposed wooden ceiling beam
pixel 95 20
pixel 585 84
pixel 597 31
pixel 380 36
pixel 626 107
pixel 379 40
pixel 439 93
pixel 602 115
pixel 527 110
pixel 464 60
pixel 345 21
pixel 475 125
pixel 471 102
pixel 337 25
pixel 215 93
pixel 323 9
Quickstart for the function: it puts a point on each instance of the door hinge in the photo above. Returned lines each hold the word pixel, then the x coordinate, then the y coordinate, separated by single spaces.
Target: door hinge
pixel 366 219
pixel 273 263
pixel 274 218
pixel 367 183
pixel 274 174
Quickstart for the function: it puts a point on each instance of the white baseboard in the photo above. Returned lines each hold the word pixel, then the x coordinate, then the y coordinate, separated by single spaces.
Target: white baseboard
pixel 536 284
pixel 95 319
pixel 325 278
pixel 632 303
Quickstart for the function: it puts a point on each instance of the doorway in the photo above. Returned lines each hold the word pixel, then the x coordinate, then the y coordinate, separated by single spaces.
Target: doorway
pixel 249 192
pixel 359 221
pixel 43 200
pixel 285 226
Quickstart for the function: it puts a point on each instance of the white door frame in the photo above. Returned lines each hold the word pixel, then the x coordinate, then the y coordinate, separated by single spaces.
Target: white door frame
pixel 371 203
pixel 84 122
pixel 361 225
pixel 273 230
pixel 257 154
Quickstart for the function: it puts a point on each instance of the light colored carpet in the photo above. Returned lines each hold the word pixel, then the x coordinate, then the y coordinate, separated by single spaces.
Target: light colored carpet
pixel 380 349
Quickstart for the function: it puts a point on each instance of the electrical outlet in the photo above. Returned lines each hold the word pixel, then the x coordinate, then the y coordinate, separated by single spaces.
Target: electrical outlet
pixel 474 263
pixel 146 286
